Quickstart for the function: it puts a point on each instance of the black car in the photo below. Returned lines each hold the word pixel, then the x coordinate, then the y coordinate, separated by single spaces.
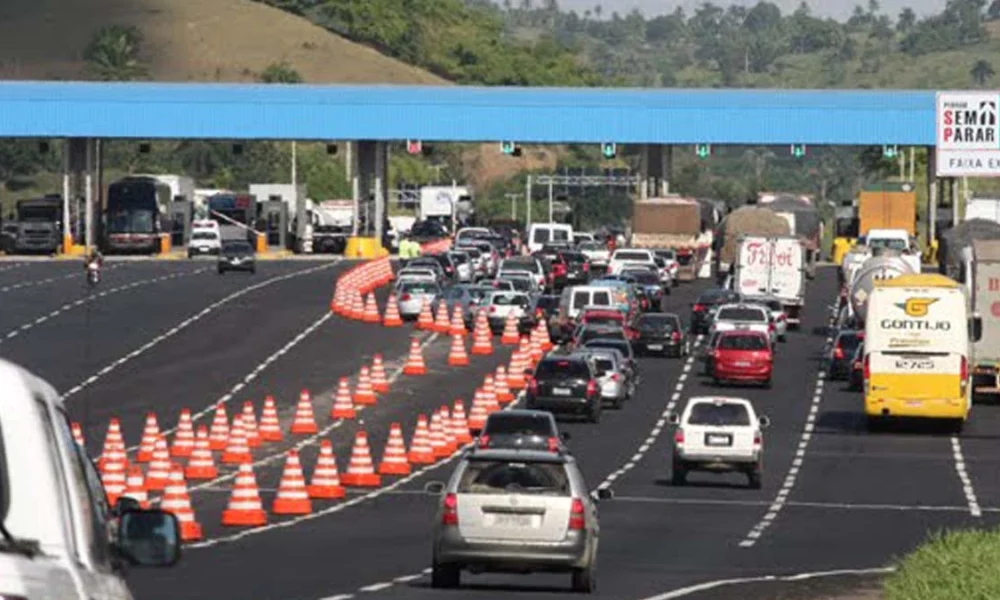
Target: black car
pixel 660 334
pixel 522 430
pixel 842 353
pixel 237 255
pixel 577 267
pixel 565 383
pixel 708 300
pixel 856 377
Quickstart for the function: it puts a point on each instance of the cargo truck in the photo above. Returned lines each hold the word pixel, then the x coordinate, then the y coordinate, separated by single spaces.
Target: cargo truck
pixel 773 267
pixel 803 219
pixel 670 223
pixel 886 205
pixel 39 225
pixel 981 275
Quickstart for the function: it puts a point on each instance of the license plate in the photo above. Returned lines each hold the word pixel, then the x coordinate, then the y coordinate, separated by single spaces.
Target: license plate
pixel 718 439
pixel 561 392
pixel 511 520
pixel 655 346
pixel 741 363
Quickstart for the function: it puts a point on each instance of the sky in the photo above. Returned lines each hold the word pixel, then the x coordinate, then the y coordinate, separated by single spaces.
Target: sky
pixel 838 9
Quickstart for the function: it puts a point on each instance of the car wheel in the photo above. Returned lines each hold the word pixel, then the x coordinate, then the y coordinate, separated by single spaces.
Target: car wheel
pixel 619 403
pixel 445 576
pixel 754 477
pixel 716 381
pixel 781 338
pixel 767 384
pixel 253 270
pixel 595 413
pixel 190 254
pixel 678 475
pixel 585 579
pixel 221 270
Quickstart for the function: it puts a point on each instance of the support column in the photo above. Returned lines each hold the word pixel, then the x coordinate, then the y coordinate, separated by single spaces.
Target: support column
pixel 381 185
pixel 655 161
pixel 75 186
pixel 932 188
pixel 67 192
pixel 372 168
pixel 89 193
pixel 365 152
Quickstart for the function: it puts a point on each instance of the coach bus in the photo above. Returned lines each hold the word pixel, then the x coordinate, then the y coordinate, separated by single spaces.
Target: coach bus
pixel 136 214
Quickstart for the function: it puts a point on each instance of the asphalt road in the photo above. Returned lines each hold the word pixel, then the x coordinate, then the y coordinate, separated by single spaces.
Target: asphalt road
pixel 169 335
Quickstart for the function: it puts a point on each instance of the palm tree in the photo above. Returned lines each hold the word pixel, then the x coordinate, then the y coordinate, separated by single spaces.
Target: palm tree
pixel 981 71
pixel 113 53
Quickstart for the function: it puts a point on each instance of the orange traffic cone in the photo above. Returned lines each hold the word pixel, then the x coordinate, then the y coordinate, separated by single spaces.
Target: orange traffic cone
pixel 218 436
pixel 510 335
pixel 504 395
pixel 176 500
pixel 364 395
pixel 77 430
pixel 438 441
pixel 148 443
pixel 325 483
pixel 441 322
pixel 457 357
pixel 460 424
pixel 380 383
pixel 482 342
pixel 392 318
pixel 357 306
pixel 114 480
pixel 421 452
pixel 361 471
pixel 304 422
pixel 270 426
pixel 394 458
pixel 543 336
pixel 159 466
pixel 184 437
pixel 292 498
pixel 450 441
pixel 250 425
pixel 425 321
pixel 201 465
pixel 371 312
pixel 478 413
pixel 135 486
pixel 343 406
pixel 114 445
pixel 457 323
pixel 515 374
pixel 415 361
pixel 238 449
pixel 244 508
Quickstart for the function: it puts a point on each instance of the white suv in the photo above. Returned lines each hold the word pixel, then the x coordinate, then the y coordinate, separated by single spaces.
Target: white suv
pixel 718 434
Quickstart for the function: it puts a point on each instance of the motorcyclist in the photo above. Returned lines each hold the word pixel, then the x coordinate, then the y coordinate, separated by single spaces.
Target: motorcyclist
pixel 95 261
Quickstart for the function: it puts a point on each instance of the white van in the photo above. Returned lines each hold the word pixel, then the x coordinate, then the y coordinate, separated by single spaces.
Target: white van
pixel 540 234
pixel 575 298
pixel 206 239
pixel 64 541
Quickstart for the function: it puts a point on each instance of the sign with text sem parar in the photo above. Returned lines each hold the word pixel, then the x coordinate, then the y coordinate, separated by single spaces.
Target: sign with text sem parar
pixel 968 134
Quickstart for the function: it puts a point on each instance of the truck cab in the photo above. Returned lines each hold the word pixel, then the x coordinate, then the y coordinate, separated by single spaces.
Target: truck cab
pixel 64 541
pixel 898 240
pixel 39 225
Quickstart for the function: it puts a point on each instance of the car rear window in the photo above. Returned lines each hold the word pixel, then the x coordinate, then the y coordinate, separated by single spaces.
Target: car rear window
pixel 562 368
pixel 657 323
pixel 508 477
pixel 418 287
pixel 513 424
pixel 849 341
pixel 742 314
pixel 509 300
pixel 742 342
pixel 604 365
pixel 622 345
pixel 638 256
pixel 706 413
pixel 643 277
pixel 601 333
pixel 603 320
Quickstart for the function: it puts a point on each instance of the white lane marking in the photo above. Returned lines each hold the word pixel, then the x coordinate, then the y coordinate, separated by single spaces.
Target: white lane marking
pixel 190 321
pixel 339 597
pixel 376 587
pixel 39 282
pixel 13 266
pixel 963 476
pixel 655 432
pixel 708 585
pixel 781 499
pixel 803 504
pixel 71 305
pixel 281 455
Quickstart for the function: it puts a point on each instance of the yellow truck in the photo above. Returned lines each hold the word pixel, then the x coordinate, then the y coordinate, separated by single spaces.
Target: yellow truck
pixel 919 332
pixel 887 205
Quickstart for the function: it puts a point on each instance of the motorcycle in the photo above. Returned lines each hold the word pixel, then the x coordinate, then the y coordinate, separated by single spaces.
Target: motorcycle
pixel 93 274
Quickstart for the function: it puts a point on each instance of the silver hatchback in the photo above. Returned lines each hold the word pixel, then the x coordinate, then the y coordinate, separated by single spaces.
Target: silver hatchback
pixel 515 511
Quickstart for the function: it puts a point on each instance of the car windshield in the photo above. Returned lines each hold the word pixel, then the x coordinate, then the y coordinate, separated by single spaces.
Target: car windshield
pixel 562 368
pixel 742 314
pixel 518 424
pixel 742 342
pixel 204 235
pixel 709 413
pixel 547 302
pixel 531 267
pixel 573 257
pixel 643 277
pixel 460 259
pixel 636 256
pixel 849 341
pixel 599 333
pixel 890 243
pixel 657 323
pixel 603 320
pixel 508 477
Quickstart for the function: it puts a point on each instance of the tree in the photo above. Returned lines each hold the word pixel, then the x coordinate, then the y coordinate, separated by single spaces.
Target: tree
pixel 981 72
pixel 908 18
pixel 993 12
pixel 113 53
pixel 280 72
pixel 17 159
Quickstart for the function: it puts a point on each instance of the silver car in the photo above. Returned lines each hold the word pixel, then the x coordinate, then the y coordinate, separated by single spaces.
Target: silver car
pixel 612 377
pixel 464 269
pixel 412 294
pixel 515 511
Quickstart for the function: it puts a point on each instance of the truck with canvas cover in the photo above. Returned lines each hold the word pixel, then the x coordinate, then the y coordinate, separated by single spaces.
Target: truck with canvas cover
pixel 773 266
pixel 918 344
pixel 881 267
pixel 981 276
pixel 671 222
pixel 744 221
pixel 804 222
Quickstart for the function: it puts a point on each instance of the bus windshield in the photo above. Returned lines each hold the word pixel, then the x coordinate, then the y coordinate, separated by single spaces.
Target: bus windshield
pixel 132 221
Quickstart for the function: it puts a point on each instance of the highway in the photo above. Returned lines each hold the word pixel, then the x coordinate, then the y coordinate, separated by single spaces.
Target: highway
pixel 163 336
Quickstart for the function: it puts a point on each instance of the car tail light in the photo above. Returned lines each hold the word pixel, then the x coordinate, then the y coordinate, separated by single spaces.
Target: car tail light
pixel 552 276
pixel 756 438
pixel 532 384
pixel 964 369
pixel 405 297
pixel 675 336
pixel 450 514
pixel 586 267
pixel 867 367
pixel 493 310
pixel 484 441
pixel 553 444
pixel 615 377
pixel 782 317
pixel 770 326
pixel 698 307
pixel 838 353
pixel 679 436
pixel 591 387
pixel 577 521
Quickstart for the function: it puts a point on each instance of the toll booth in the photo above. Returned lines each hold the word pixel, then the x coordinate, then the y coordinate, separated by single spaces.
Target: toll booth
pixel 180 217
pixel 273 219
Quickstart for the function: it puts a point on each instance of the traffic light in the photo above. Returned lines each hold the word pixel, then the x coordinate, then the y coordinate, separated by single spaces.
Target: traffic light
pixel 414 146
pixel 890 151
pixel 703 150
pixel 331 149
pixel 798 150
pixel 609 150
pixel 510 148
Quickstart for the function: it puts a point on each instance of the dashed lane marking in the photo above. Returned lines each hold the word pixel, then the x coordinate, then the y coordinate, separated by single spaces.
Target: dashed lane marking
pixel 187 323
pixel 91 298
pixel 963 476
pixel 701 587
pixel 38 282
pixel 804 504
pixel 781 500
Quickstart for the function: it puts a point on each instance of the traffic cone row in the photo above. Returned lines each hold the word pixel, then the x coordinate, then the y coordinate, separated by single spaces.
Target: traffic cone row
pixel 358 281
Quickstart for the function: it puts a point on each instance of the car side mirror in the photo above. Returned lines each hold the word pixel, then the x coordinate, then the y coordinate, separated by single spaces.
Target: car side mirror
pixel 565 436
pixel 674 419
pixel 435 488
pixel 149 538
pixel 764 422
pixel 605 493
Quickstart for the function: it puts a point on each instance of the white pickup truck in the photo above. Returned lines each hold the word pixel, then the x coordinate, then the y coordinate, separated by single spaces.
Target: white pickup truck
pixel 59 539
pixel 752 317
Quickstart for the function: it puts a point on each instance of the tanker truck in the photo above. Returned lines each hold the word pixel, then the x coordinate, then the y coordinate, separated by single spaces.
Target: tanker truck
pixel 884 265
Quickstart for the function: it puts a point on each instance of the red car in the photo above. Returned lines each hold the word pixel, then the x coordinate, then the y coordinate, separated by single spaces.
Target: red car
pixel 609 316
pixel 742 356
